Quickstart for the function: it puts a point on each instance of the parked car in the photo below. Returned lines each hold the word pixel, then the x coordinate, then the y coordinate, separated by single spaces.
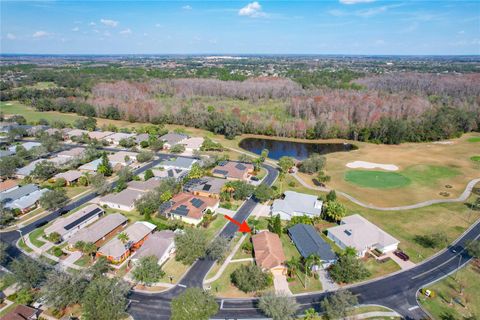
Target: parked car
pixel 402 255
pixel 254 178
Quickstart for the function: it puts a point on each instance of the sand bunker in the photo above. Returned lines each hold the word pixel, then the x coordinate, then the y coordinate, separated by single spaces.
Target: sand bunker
pixel 371 165
pixel 443 142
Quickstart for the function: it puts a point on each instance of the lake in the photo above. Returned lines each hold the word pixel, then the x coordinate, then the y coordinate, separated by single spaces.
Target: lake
pixel 297 150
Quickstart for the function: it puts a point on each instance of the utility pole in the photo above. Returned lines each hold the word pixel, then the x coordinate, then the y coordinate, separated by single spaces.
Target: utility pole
pixel 458 267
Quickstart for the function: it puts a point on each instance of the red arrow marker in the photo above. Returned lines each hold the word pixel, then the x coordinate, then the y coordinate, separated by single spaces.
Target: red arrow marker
pixel 243 227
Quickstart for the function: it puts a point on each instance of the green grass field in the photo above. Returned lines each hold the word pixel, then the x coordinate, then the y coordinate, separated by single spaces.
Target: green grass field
pixel 474 139
pixel 376 179
pixel 449 290
pixel 31 115
pixel 429 174
pixel 475 158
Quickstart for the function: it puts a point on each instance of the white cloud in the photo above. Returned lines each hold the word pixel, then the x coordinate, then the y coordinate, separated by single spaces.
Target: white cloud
pixel 337 13
pixel 158 25
pixel 107 34
pixel 187 7
pixel 76 29
pixel 92 24
pixel 461 32
pixel 40 34
pixel 11 36
pixel 109 22
pixel 253 10
pixel 355 1
pixel 126 31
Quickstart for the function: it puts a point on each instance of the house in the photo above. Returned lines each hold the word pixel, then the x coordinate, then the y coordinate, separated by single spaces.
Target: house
pixel 99 230
pixel 72 153
pixel 233 170
pixel 123 158
pixel 188 207
pixel 144 186
pixel 59 161
pixel 27 145
pixel 308 242
pixel 159 244
pixel 192 144
pixel 37 129
pixel 139 138
pixel 268 250
pixel 27 170
pixel 117 136
pixel 91 166
pixel 124 200
pixel 99 135
pixel 205 187
pixel 296 204
pixel 171 139
pixel 53 131
pixel 70 176
pixel 71 224
pixel 176 174
pixel 117 251
pixel 23 198
pixel 357 232
pixel 8 185
pixel 22 312
pixel 181 163
pixel 77 133
pixel 6 153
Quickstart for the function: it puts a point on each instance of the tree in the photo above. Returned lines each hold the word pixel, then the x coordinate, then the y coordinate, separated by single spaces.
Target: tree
pixel 178 148
pixel 85 123
pixel 8 166
pixel 54 237
pixel 28 272
pixel 348 269
pixel 278 306
pixel 148 271
pixel 53 199
pixel 285 163
pixel 105 167
pixel 44 170
pixel 196 172
pixel 241 190
pixel 88 248
pixel 123 237
pixel 218 248
pixel 6 216
pixel 3 252
pixel 313 163
pixel 434 240
pixel 275 225
pixel 148 174
pixel 59 183
pixel 105 299
pixel 245 158
pixel 62 289
pixel 191 245
pixel 311 314
pixel 100 267
pixel 322 177
pixel 127 143
pixel 100 184
pixel 293 265
pixel 339 304
pixel 333 211
pixel 144 156
pixel 473 248
pixel 148 204
pixel 263 192
pixel 156 145
pixel 194 303
pixel 250 278
pixel 331 196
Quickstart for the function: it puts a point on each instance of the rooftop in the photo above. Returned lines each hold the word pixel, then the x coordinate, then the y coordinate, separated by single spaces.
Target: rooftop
pixel 173 138
pixel 308 241
pixel 69 176
pixel 189 205
pixel 7 184
pixel 125 197
pixel 65 224
pixel 207 184
pixel 295 202
pixel 74 152
pixel 156 244
pixel 231 169
pixel 268 249
pixel 99 229
pixel 179 162
pixel 18 193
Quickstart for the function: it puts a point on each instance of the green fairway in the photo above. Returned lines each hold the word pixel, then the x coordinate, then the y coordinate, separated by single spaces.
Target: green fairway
pixel 474 139
pixel 475 158
pixel 429 174
pixel 14 107
pixel 376 179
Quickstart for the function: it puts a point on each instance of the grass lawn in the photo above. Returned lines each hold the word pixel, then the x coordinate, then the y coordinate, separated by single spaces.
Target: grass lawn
pixel 23 246
pixel 288 247
pixel 474 139
pixel 475 159
pixel 241 254
pixel 428 174
pixel 376 179
pixel 174 269
pixel 75 191
pixel 298 285
pixel 378 269
pixel 215 226
pixel 449 289
pixel 36 235
pixel 84 261
pixel 14 107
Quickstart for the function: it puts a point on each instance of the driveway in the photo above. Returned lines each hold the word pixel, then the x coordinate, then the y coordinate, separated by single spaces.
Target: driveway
pixel 261 210
pixel 404 265
pixel 280 282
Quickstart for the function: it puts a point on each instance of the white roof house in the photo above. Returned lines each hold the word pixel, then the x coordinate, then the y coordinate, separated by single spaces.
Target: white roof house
pixel 99 135
pixel 296 204
pixel 27 145
pixel 72 153
pixel 160 244
pixel 91 166
pixel 123 158
pixel 357 232
pixel 116 137
pixel 181 163
pixel 124 200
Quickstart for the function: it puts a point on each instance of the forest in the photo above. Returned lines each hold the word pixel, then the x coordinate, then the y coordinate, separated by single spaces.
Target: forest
pixel 304 102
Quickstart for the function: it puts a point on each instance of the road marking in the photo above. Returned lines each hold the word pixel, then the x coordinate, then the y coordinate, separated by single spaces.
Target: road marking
pixel 221 304
pixel 181 285
pixel 413 308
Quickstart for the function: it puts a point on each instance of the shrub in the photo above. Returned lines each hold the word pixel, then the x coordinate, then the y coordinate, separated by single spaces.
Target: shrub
pixel 249 278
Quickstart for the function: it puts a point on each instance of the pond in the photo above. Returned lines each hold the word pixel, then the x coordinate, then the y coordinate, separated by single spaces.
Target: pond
pixel 297 150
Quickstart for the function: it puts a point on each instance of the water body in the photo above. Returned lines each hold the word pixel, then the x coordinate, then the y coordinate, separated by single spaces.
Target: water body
pixel 297 150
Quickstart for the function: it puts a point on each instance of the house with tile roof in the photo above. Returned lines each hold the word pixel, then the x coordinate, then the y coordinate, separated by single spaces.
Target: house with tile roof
pixel 268 251
pixel 233 170
pixel 188 207
pixel 205 187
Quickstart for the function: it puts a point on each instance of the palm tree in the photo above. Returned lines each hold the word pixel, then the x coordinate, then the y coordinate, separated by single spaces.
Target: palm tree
pixel 123 237
pixel 255 223
pixel 89 248
pixel 309 262
pixel 228 190
pixel 293 264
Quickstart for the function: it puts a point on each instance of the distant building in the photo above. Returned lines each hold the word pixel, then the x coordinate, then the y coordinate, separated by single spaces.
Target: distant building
pixel 117 137
pixel 75 133
pixel 125 199
pixel 27 170
pixel 233 170
pixel 357 232
pixel 72 153
pixel 181 163
pixel 91 166
pixel 24 198
pixel 123 158
pixel 8 185
pixel 117 251
pixel 27 145
pixel 99 135
pixel 70 176
pixel 308 242
pixel 296 204
pixel 171 139
pixel 176 174
pixel 71 224
pixel 188 207
pixel 268 250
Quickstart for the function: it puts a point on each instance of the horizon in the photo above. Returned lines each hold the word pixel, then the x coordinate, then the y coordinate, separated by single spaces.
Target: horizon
pixel 334 27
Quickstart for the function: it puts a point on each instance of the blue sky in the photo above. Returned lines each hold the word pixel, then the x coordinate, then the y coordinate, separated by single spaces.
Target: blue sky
pixel 278 27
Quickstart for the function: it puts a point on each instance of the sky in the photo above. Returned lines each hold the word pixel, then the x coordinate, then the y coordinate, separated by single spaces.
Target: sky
pixel 368 27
